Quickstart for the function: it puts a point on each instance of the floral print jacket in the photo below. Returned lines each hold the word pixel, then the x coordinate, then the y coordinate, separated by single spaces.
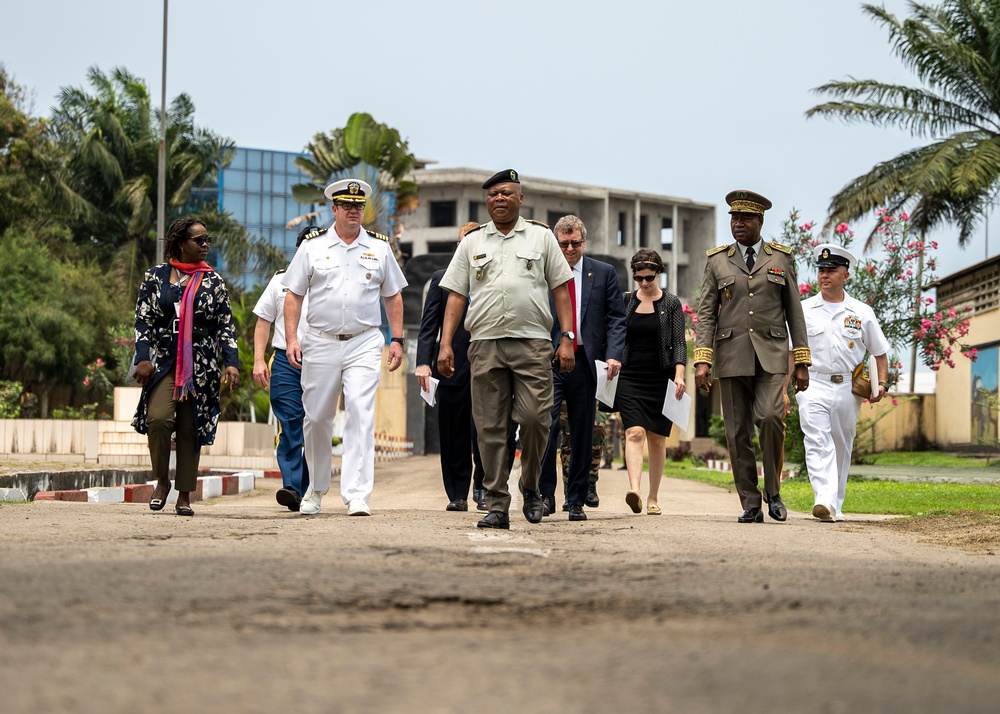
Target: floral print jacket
pixel 213 343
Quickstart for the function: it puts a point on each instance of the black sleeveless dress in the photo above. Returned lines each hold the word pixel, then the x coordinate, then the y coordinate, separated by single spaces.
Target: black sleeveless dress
pixel 642 383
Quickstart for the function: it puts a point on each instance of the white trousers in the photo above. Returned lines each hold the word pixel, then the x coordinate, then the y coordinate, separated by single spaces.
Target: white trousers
pixel 330 366
pixel 828 416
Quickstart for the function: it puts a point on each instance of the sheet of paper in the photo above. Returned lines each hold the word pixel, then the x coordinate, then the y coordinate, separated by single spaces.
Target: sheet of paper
pixel 430 396
pixel 606 388
pixel 873 374
pixel 677 410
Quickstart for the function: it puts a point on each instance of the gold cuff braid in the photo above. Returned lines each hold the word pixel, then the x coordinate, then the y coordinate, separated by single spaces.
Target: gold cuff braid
pixel 802 355
pixel 703 355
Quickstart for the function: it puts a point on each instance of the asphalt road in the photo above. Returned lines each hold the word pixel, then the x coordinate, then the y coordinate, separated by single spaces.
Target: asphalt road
pixel 249 608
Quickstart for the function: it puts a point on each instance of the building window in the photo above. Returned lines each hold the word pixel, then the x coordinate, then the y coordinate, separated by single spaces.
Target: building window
pixel 644 231
pixel 436 247
pixel 442 214
pixel 667 233
pixel 622 227
pixel 554 217
pixel 477 211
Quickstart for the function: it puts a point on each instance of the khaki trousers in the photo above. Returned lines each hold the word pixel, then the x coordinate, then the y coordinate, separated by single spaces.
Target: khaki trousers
pixel 164 416
pixel 748 402
pixel 511 381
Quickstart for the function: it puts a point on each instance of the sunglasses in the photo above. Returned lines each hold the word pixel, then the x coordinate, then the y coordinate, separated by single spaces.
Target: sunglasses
pixel 203 240
pixel 564 244
pixel 644 278
pixel 351 206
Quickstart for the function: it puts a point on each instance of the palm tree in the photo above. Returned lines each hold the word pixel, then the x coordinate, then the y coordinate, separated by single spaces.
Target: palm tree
pixel 111 137
pixel 363 149
pixel 954 49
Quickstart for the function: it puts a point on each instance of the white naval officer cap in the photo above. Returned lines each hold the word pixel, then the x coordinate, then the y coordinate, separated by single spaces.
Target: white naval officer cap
pixel 349 190
pixel 829 255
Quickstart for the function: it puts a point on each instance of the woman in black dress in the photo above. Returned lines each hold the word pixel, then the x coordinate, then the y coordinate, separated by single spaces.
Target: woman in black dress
pixel 655 352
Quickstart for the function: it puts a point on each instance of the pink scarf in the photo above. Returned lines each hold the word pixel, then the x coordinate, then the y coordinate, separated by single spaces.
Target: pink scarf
pixel 184 375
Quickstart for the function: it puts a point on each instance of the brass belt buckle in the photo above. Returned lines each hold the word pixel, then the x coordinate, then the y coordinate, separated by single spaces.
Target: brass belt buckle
pixel 837 378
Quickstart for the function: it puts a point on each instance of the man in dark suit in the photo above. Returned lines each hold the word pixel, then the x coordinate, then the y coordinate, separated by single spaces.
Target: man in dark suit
pixel 456 429
pixel 599 334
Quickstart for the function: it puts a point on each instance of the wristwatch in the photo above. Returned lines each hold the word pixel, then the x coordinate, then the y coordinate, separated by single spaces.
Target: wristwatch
pixel 398 340
pixel 570 334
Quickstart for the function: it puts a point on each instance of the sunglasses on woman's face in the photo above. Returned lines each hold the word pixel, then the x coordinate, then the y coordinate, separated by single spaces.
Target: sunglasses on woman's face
pixel 203 239
pixel 644 278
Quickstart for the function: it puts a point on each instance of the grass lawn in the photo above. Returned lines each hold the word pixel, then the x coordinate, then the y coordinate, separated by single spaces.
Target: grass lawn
pixel 931 459
pixel 880 497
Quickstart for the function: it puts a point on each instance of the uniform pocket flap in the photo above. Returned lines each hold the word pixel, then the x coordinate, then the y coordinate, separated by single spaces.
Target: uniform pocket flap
pixel 779 331
pixel 726 282
pixel 778 279
pixel 479 261
pixel 528 254
pixel 724 333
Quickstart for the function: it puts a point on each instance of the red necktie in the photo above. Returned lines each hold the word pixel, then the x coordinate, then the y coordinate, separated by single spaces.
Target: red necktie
pixel 572 302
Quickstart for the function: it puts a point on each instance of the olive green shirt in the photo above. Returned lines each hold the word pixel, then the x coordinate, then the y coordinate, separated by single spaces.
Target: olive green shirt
pixel 508 279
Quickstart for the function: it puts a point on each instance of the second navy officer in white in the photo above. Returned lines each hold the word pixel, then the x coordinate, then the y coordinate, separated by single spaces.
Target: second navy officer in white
pixel 346 271
pixel 840 330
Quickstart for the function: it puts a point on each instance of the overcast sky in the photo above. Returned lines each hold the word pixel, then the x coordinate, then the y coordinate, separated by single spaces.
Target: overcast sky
pixel 689 99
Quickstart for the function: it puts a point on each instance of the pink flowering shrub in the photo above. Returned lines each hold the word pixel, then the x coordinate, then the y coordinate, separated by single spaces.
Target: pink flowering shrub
pixel 888 284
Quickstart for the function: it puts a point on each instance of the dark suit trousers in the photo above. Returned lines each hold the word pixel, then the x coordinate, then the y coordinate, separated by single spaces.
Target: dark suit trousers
pixel 454 405
pixel 578 389
pixel 748 402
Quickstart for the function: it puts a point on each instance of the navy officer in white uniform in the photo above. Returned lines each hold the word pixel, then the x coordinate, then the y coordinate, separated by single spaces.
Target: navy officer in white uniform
pixel 841 329
pixel 345 271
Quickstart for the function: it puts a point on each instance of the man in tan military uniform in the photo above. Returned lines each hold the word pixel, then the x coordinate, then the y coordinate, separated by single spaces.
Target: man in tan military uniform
pixel 504 271
pixel 749 306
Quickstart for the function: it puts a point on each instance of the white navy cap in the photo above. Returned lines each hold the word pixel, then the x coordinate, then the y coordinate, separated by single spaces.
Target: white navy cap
pixel 349 190
pixel 829 255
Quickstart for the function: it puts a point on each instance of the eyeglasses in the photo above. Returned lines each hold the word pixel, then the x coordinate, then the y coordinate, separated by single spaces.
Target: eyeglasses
pixel 564 244
pixel 204 239
pixel 644 278
pixel 351 206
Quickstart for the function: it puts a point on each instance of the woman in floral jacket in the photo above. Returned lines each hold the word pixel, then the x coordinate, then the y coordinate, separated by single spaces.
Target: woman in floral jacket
pixel 184 335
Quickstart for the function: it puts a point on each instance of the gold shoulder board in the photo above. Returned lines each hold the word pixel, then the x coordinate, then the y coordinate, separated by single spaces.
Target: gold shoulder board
pixel 315 232
pixel 537 223
pixel 279 272
pixel 783 248
pixel 373 234
pixel 473 230
pixel 716 249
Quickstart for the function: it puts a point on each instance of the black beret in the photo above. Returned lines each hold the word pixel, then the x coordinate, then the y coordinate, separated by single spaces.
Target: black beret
pixel 505 176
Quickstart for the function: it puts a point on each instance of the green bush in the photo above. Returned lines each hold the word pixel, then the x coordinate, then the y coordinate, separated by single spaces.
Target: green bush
pixel 10 404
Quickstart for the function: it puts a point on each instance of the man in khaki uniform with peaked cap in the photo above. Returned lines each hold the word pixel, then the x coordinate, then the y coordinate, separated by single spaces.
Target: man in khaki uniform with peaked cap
pixel 749 305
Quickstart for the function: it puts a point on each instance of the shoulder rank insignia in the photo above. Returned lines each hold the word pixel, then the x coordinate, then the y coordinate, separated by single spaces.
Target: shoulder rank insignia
pixel 716 249
pixel 279 272
pixel 537 223
pixel 373 234
pixel 473 230
pixel 314 232
pixel 783 248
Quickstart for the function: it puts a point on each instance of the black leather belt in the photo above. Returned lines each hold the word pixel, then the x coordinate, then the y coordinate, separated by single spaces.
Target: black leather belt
pixel 195 330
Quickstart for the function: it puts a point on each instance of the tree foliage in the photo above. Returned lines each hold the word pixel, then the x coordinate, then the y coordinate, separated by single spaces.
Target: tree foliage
pixel 954 50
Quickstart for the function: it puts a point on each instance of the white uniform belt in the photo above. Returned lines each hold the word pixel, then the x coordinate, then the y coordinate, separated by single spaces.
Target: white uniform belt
pixel 336 336
pixel 838 378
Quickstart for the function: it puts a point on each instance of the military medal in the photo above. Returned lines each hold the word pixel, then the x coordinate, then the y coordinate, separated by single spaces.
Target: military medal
pixel 528 266
pixel 479 274
pixel 729 295
pixel 851 344
pixel 368 276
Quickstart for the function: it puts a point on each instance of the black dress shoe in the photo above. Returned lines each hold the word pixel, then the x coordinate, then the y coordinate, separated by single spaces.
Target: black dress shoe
pixel 752 515
pixel 532 506
pixel 478 494
pixel 481 503
pixel 548 505
pixel 776 507
pixel 288 497
pixel 592 500
pixel 576 513
pixel 459 504
pixel 565 505
pixel 495 519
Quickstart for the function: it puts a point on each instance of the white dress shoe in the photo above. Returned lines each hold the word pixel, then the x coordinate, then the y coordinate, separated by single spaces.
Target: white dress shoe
pixel 840 518
pixel 310 504
pixel 823 512
pixel 357 507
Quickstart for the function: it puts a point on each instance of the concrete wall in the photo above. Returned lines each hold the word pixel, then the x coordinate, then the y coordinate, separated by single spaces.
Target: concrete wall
pixel 954 385
pixel 909 426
